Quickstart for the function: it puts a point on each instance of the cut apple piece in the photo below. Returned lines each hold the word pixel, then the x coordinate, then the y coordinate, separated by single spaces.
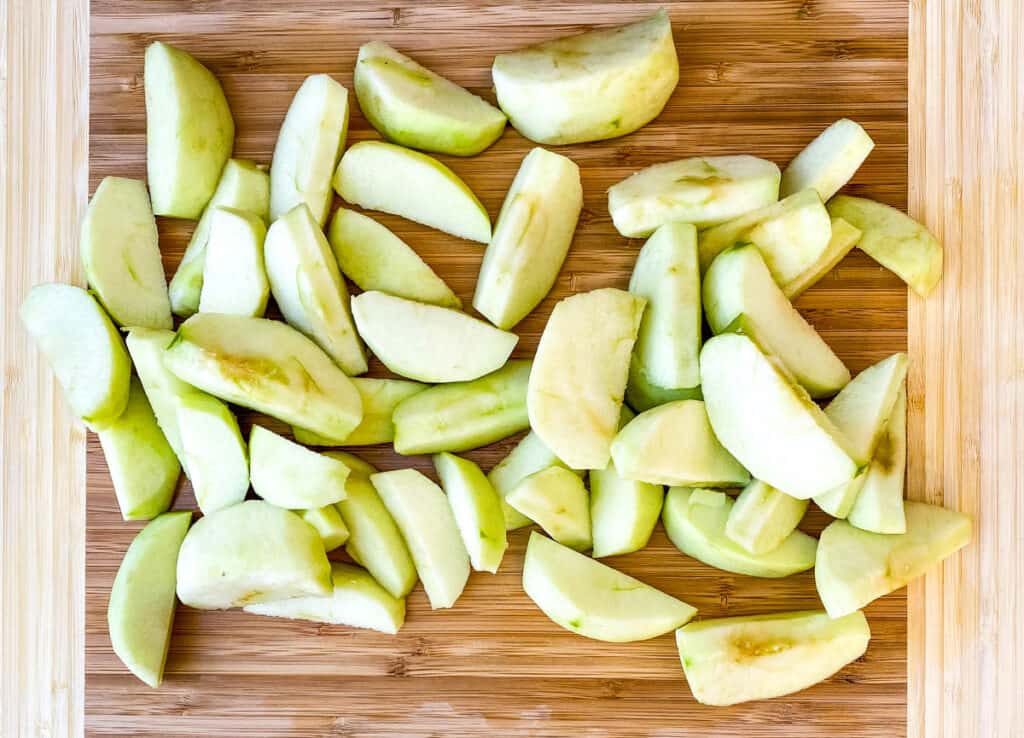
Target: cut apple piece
pixel 415 107
pixel 673 444
pixel 763 517
pixel 477 510
pixel 557 501
pixel 420 509
pixel 844 238
pixel 381 176
pixel 580 372
pixel 214 451
pixel 642 394
pixel 464 415
pixel 140 613
pixel 427 342
pixel 894 240
pixel 328 523
pixel 703 191
pixel 289 475
pixel 879 506
pixel 267 366
pixel 308 147
pixel 121 256
pixel 856 567
pixel 532 237
pixel 308 287
pixel 756 657
pixel 738 285
pixel 594 600
pixel 829 161
pixel 251 552
pixel 356 600
pixel 768 423
pixel 376 259
pixel 234 275
pixel 82 347
pixel 530 455
pixel 380 398
pixel 591 86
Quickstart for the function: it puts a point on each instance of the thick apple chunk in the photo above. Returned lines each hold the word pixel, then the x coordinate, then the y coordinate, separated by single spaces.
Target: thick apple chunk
pixel 829 161
pixel 234 274
pixel 477 510
pixel 557 501
pixel 291 476
pixel 530 455
pixel 879 506
pixel 380 399
pixel 763 517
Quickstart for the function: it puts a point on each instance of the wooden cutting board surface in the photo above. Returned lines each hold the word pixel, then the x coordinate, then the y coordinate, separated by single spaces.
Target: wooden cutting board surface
pixel 759 77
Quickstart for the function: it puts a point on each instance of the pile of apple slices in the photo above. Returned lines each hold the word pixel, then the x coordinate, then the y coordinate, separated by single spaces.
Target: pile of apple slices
pixel 731 240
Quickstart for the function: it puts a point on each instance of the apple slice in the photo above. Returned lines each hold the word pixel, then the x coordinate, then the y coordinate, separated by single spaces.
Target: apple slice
pixel 477 510
pixel 82 347
pixel 844 238
pixel 739 285
pixel 594 600
pixel 894 240
pixel 121 256
pixel 768 423
pixel 308 287
pixel 140 613
pixel 829 161
pixel 214 451
pixel 464 415
pixel 704 191
pixel 856 567
pixel 234 275
pixel 374 540
pixel 557 501
pixel 242 186
pixel 695 520
pixel 756 657
pixel 763 517
pixel 267 366
pixel 579 374
pixel 376 259
pixel 189 131
pixel 420 509
pixel 356 600
pixel 642 395
pixel 251 552
pixel 415 107
pixel 673 444
pixel 879 506
pixel 381 176
pixel 532 237
pixel 328 523
pixel 530 455
pixel 591 86
pixel 427 342
pixel 308 147
pixel 289 475
pixel 142 464
pixel 380 398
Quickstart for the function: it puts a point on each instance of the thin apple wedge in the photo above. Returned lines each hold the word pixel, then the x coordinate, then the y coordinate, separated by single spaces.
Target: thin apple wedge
pixel 642 394
pixel 763 517
pixel 234 274
pixel 328 523
pixel 530 455
pixel 291 476
pixel 381 397
pixel 593 600
pixel 381 176
pixel 477 510
pixel 879 506
pixel 556 500
pixel 844 238
pixel 829 161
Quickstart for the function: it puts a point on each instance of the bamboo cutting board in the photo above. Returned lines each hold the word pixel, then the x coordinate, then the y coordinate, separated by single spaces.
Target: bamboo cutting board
pixel 759 77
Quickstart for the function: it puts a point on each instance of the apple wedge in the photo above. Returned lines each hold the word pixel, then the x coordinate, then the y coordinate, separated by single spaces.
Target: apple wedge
pixel 879 506
pixel 844 238
pixel 308 287
pixel 592 86
pixel 291 476
pixel 476 508
pixel 121 256
pixel 768 423
pixel 381 176
pixel 829 161
pixel 82 347
pixel 308 147
pixel 380 399
pixel 234 275
pixel 704 191
pixel 376 259
pixel 763 517
pixel 140 613
pixel 421 511
pixel 328 523
pixel 415 107
pixel 580 372
pixel 355 600
pixel 556 500
pixel 267 366
pixel 429 343
pixel 464 415
pixel 673 444
pixel 250 552
pixel 214 451
pixel 530 455
pixel 189 131
pixel 738 285
pixel 756 657
pixel 594 600
pixel 856 567
pixel 532 237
